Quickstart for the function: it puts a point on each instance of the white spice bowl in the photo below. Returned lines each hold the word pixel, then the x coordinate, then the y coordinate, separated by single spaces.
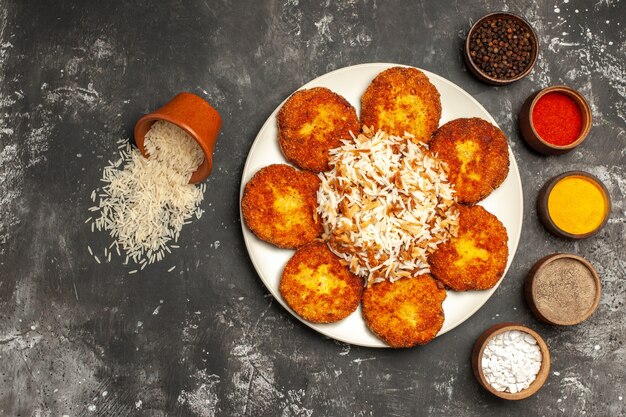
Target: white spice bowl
pixel 477 358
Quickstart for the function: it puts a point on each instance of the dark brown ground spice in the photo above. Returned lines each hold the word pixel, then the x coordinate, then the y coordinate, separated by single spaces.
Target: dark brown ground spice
pixel 501 48
pixel 565 290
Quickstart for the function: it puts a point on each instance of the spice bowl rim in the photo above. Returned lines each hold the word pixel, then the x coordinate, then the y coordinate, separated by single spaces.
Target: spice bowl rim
pixel 477 356
pixel 544 213
pixel 530 287
pixel 487 78
pixel 531 135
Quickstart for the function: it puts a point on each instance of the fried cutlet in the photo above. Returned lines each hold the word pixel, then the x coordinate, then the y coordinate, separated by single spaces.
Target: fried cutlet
pixel 318 287
pixel 476 258
pixel 477 155
pixel 402 100
pixel 279 205
pixel 311 123
pixel 406 312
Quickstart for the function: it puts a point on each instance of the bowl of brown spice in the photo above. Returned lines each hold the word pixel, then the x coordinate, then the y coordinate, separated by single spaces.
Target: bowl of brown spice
pixel 501 48
pixel 563 289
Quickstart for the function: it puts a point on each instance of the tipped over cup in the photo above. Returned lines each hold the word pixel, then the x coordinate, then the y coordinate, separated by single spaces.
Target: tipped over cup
pixel 195 116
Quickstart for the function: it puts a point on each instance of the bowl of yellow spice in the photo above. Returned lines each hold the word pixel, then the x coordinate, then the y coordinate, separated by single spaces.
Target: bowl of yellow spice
pixel 574 205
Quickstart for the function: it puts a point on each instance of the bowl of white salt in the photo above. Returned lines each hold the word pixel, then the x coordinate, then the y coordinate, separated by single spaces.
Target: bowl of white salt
pixel 511 361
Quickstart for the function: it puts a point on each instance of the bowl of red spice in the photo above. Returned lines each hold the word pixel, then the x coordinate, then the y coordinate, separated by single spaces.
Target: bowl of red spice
pixel 555 120
pixel 501 48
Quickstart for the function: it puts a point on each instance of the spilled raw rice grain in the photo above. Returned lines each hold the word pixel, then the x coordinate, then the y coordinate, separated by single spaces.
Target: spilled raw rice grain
pixel 145 203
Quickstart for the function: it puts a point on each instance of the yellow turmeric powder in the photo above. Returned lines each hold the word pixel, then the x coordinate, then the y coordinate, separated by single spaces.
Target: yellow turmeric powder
pixel 577 205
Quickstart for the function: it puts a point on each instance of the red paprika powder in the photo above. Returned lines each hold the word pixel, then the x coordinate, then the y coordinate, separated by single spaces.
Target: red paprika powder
pixel 557 119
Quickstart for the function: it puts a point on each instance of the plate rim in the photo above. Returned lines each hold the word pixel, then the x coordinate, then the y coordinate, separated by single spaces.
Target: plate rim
pixel 385 65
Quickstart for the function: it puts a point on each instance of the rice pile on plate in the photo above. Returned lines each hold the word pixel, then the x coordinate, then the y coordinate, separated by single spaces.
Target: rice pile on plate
pixel 386 204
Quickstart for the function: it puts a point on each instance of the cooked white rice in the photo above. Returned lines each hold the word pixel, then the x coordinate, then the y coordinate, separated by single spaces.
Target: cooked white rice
pixel 386 204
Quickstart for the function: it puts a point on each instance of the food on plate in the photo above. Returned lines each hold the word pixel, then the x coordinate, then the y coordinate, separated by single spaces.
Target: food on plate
pixel 477 154
pixel 279 205
pixel 385 205
pixel 476 258
pixel 402 100
pixel 318 287
pixel 406 312
pixel 375 214
pixel 311 123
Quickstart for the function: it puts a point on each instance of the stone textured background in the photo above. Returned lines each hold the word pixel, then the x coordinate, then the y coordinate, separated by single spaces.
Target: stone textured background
pixel 80 339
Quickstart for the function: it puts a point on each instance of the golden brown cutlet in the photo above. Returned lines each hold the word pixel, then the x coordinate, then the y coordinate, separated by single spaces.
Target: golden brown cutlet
pixel 312 122
pixel 402 100
pixel 279 205
pixel 405 313
pixel 476 258
pixel 477 155
pixel 318 287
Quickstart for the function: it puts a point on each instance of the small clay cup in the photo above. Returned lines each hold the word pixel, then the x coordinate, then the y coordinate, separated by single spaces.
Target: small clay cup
pixel 195 116
pixel 478 73
pixel 544 214
pixel 527 127
pixel 477 358
pixel 530 288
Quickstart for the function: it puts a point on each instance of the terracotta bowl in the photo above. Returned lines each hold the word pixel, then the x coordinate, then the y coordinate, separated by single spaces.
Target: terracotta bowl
pixel 527 127
pixel 544 214
pixel 534 53
pixel 195 116
pixel 477 357
pixel 530 288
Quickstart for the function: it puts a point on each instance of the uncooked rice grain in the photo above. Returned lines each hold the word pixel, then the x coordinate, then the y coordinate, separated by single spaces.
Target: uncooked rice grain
pixel 145 203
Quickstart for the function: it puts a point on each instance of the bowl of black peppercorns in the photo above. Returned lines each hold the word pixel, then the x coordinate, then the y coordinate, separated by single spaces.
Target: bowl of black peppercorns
pixel 501 48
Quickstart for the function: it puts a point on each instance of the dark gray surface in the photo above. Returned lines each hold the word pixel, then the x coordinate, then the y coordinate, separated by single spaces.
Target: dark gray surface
pixel 81 339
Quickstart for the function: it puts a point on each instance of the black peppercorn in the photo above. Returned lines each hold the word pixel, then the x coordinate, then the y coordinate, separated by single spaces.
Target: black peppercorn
pixel 501 48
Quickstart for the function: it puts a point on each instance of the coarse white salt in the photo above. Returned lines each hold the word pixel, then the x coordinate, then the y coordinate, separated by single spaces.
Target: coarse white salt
pixel 145 203
pixel 511 361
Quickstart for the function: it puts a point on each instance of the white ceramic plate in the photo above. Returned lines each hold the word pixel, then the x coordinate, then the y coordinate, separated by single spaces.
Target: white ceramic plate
pixel 505 202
